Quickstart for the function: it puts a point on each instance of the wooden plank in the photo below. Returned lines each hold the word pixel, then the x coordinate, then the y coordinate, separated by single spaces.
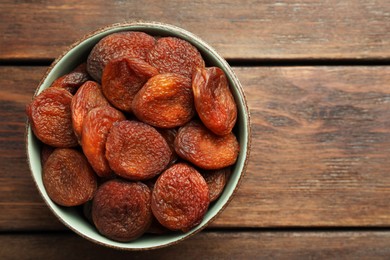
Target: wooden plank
pixel 320 150
pixel 209 245
pixel 265 29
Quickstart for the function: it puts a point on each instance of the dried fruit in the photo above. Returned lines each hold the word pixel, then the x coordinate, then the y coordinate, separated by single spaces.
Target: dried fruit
pixel 73 80
pixel 180 198
pixel 86 98
pixel 197 144
pixel 165 101
pixel 213 100
pixel 121 210
pixel 174 55
pixel 216 180
pixel 96 126
pixel 116 45
pixel 136 151
pixel 50 117
pixel 68 178
pixel 122 78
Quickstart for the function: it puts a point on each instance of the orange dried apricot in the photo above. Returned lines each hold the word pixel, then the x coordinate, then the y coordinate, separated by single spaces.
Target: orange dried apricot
pixel 180 198
pixel 174 55
pixel 87 97
pixel 73 80
pixel 96 127
pixel 50 117
pixel 213 100
pixel 122 78
pixel 116 45
pixel 68 178
pixel 165 101
pixel 198 145
pixel 136 151
pixel 121 210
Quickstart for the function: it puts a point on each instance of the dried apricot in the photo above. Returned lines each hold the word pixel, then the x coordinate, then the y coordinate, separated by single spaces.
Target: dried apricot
pixel 216 180
pixel 213 100
pixel 121 210
pixel 50 117
pixel 87 97
pixel 165 101
pixel 136 151
pixel 174 55
pixel 73 80
pixel 116 45
pixel 68 178
pixel 180 198
pixel 197 144
pixel 97 124
pixel 122 78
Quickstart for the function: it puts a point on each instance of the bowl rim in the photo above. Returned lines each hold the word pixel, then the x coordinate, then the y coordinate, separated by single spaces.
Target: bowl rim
pixel 181 33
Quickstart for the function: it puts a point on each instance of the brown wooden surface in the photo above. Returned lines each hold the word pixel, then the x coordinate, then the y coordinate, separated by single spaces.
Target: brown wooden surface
pixel 246 29
pixel 209 245
pixel 318 179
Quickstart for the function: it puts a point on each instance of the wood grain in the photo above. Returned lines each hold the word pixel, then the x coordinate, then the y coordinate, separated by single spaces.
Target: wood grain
pixel 320 152
pixel 209 245
pixel 248 29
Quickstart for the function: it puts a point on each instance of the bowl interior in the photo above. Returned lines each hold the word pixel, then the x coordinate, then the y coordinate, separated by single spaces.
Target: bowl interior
pixel 78 53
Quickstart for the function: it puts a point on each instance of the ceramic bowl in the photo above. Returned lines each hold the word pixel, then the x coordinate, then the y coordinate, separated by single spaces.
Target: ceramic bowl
pixel 78 53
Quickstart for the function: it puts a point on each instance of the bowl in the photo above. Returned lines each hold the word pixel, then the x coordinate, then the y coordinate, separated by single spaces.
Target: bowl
pixel 77 53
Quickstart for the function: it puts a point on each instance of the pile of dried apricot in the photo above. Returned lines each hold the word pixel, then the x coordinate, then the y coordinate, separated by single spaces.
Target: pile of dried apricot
pixel 139 136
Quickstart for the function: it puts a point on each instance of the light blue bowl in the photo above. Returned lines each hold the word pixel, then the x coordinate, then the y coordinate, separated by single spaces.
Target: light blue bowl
pixel 76 54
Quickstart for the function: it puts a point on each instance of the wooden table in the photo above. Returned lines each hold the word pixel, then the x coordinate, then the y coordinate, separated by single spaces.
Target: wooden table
pixel 317 79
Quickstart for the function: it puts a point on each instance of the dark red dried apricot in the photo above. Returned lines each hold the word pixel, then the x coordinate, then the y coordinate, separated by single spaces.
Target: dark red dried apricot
pixel 174 55
pixel 73 80
pixel 121 210
pixel 180 198
pixel 122 78
pixel 50 117
pixel 136 151
pixel 216 180
pixel 116 45
pixel 87 97
pixel 197 144
pixel 165 101
pixel 97 124
pixel 68 178
pixel 213 100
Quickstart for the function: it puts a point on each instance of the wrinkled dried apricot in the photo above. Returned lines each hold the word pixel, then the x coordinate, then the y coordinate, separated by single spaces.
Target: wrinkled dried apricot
pixel 122 78
pixel 116 45
pixel 73 80
pixel 216 181
pixel 68 178
pixel 87 97
pixel 136 151
pixel 180 198
pixel 197 144
pixel 121 210
pixel 213 100
pixel 96 126
pixel 50 117
pixel 174 55
pixel 165 101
